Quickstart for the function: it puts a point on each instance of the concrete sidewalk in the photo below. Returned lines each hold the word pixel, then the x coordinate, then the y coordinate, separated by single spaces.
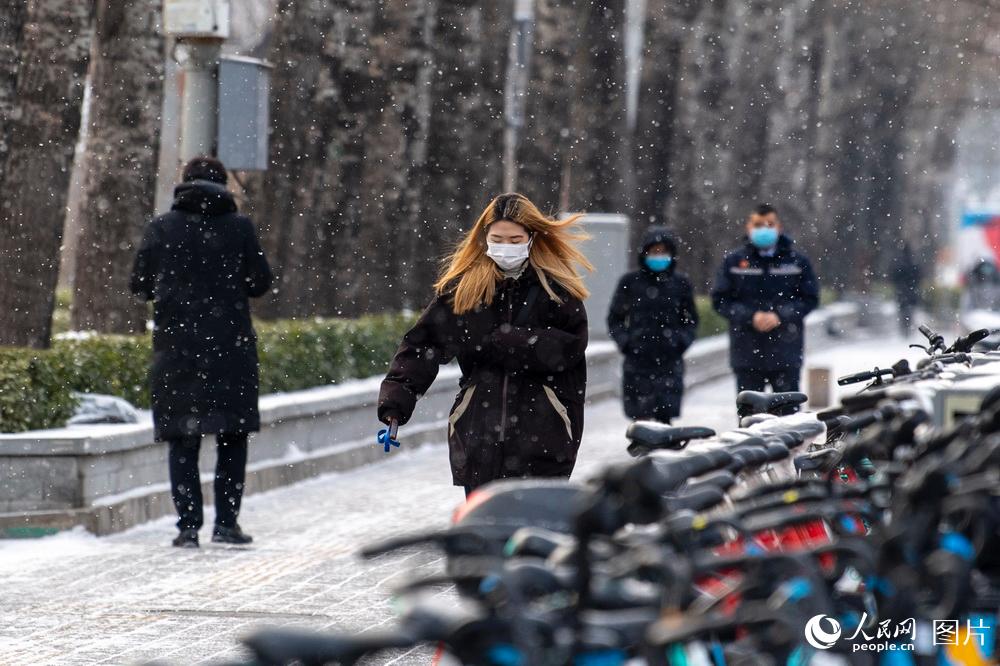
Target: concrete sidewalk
pixel 131 598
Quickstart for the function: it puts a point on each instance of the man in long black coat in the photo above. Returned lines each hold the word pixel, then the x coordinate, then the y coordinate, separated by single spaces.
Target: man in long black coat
pixel 653 320
pixel 200 264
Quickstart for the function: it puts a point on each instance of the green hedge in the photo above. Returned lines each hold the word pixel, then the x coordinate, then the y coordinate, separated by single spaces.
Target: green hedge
pixel 36 386
pixel 110 364
pixel 710 322
pixel 299 354
pixel 32 393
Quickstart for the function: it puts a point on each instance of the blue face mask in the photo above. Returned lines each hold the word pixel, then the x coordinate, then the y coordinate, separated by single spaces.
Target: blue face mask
pixel 764 237
pixel 659 262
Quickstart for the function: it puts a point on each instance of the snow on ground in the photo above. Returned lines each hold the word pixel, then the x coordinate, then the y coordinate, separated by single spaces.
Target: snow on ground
pixel 131 598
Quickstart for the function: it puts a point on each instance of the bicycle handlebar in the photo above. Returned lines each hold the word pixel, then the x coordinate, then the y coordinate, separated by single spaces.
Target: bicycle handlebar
pixel 967 342
pixel 864 376
pixel 935 339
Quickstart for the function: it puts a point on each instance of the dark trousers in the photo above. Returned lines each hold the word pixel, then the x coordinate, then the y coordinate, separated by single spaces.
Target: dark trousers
pixel 749 379
pixel 185 481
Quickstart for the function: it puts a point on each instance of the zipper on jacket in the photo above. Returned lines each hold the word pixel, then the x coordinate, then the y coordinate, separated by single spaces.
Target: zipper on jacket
pixel 506 375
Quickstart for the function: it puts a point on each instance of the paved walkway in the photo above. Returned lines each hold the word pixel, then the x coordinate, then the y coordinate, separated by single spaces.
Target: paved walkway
pixel 131 598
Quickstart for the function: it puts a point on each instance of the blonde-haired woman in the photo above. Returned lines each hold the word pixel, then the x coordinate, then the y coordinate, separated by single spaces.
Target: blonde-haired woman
pixel 509 307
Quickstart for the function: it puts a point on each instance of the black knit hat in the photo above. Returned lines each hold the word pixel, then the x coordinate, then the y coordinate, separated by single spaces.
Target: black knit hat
pixel 205 168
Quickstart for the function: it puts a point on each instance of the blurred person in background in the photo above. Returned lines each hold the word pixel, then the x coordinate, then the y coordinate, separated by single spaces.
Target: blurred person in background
pixel 765 289
pixel 906 276
pixel 653 320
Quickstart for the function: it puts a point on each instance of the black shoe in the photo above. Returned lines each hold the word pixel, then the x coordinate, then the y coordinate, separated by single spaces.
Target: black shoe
pixel 187 539
pixel 232 534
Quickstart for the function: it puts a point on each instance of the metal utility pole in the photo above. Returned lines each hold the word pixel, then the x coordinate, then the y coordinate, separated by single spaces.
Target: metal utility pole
pixel 199 28
pixel 635 28
pixel 200 106
pixel 516 87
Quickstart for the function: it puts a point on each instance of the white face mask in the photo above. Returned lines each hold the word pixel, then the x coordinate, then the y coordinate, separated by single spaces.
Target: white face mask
pixel 508 256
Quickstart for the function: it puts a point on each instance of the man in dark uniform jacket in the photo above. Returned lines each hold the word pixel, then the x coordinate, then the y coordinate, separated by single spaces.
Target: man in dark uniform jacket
pixel 765 289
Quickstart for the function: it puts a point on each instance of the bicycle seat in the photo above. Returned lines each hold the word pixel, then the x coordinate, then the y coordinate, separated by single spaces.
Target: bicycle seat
pixel 747 458
pixel 823 459
pixel 505 506
pixel 755 402
pixel 666 472
pixel 754 419
pixel 776 451
pixel 535 542
pixel 646 436
pixel 790 439
pixel 604 630
pixel 698 499
pixel 623 594
pixel 722 480
pixel 286 646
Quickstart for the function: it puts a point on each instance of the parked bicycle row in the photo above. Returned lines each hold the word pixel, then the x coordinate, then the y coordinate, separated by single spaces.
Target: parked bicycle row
pixel 865 534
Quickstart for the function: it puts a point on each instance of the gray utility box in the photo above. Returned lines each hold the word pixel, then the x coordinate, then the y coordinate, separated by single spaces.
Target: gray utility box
pixel 196 18
pixel 608 251
pixel 244 113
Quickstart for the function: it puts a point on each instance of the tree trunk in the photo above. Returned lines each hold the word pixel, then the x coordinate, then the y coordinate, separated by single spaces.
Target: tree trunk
pixel 599 150
pixel 43 130
pixel 12 15
pixel 700 218
pixel 404 124
pixel 340 204
pixel 119 164
pixel 465 146
pixel 667 24
pixel 544 149
pixel 302 100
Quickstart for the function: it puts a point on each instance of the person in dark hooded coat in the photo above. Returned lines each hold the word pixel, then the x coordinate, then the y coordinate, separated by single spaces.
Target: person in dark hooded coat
pixel 653 320
pixel 906 276
pixel 200 264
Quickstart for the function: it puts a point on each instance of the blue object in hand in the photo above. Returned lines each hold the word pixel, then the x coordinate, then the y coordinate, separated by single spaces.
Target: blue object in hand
pixel 387 436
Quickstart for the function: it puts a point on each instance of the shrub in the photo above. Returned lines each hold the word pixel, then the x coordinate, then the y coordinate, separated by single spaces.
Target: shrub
pixel 298 354
pixel 710 322
pixel 32 394
pixel 372 342
pixel 110 364
pixel 36 386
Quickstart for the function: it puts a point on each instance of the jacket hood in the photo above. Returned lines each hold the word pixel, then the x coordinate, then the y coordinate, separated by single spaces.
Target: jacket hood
pixel 204 197
pixel 653 236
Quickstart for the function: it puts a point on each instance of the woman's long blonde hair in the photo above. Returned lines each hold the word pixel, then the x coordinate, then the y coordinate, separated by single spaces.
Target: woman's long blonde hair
pixel 472 277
